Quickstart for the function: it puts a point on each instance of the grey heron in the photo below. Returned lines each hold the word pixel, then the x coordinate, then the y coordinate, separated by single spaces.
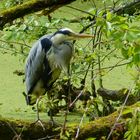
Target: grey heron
pixel 48 56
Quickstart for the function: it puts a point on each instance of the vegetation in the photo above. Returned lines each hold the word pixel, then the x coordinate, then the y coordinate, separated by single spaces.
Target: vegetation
pixel 106 67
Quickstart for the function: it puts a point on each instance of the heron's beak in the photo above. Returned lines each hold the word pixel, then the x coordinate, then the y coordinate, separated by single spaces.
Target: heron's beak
pixel 76 35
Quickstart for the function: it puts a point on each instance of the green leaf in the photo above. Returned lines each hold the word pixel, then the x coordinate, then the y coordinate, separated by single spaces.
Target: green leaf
pixel 124 26
pixel 127 135
pixel 126 111
pixel 125 53
pixel 108 25
pixel 108 15
pixel 91 139
pixel 136 58
pixel 67 133
pixel 100 21
pixel 92 11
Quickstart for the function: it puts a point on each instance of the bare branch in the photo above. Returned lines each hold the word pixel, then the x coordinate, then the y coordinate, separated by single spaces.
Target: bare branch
pixel 130 8
pixel 120 113
pixel 12 42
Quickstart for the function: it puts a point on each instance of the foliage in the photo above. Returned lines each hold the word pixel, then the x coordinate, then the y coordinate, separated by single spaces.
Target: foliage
pixel 133 126
pixel 116 37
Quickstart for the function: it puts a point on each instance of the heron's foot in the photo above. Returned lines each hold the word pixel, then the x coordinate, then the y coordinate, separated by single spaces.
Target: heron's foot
pixel 53 123
pixel 38 121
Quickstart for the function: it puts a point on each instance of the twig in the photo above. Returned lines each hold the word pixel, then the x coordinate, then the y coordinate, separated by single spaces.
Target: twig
pixel 111 68
pixel 122 10
pixel 48 137
pixel 69 100
pixel 114 3
pixel 93 88
pixel 117 119
pixel 12 42
pixel 80 10
pixel 86 27
pixel 99 58
pixel 76 98
pixel 93 4
pixel 108 54
pixel 114 66
pixel 7 49
pixel 129 8
pixel 18 137
pixel 78 129
pixel 86 73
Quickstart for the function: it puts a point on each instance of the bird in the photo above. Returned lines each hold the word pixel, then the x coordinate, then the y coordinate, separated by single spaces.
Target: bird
pixel 47 58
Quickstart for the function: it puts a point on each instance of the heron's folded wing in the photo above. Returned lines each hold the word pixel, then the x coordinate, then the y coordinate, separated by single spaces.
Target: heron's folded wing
pixel 34 65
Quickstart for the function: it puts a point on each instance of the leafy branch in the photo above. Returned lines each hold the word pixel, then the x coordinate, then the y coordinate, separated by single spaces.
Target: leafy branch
pixel 13 42
pixel 131 8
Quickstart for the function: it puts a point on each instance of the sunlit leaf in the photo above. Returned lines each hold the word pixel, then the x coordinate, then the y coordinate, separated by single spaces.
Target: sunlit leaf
pixel 109 27
pixel 128 110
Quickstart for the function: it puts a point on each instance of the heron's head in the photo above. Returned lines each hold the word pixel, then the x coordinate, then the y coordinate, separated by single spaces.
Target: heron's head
pixel 67 34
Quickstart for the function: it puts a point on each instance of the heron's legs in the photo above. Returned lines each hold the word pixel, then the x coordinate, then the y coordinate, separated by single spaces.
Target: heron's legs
pixel 51 117
pixel 50 111
pixel 38 117
pixel 69 98
pixel 37 102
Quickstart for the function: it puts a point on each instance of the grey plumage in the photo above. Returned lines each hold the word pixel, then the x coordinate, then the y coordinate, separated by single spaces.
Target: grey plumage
pixel 44 65
pixel 48 56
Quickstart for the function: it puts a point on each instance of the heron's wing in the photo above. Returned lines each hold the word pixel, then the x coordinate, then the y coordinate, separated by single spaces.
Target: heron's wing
pixel 35 62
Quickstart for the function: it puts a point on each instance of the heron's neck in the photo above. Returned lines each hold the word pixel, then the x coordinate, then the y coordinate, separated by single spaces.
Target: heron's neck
pixel 57 39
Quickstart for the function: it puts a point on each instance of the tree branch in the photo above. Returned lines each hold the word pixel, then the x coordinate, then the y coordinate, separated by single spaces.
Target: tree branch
pixel 98 128
pixel 130 8
pixel 118 95
pixel 29 7
pixel 19 43
pixel 32 6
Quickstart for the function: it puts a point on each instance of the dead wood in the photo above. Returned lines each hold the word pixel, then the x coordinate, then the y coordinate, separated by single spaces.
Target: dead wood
pixel 25 130
pixel 118 95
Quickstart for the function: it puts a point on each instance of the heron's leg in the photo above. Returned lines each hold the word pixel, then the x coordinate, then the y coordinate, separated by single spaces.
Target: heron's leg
pixel 37 103
pixel 68 98
pixel 50 111
pixel 51 117
pixel 38 117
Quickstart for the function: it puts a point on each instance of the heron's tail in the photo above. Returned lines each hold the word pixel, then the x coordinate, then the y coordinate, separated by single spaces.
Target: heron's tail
pixel 30 100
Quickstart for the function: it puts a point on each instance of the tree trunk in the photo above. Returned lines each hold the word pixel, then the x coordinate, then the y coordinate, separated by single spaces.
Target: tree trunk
pixel 13 129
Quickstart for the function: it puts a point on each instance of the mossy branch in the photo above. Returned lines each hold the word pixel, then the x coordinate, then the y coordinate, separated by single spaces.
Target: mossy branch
pixel 101 127
pixel 130 8
pixel 24 130
pixel 30 7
